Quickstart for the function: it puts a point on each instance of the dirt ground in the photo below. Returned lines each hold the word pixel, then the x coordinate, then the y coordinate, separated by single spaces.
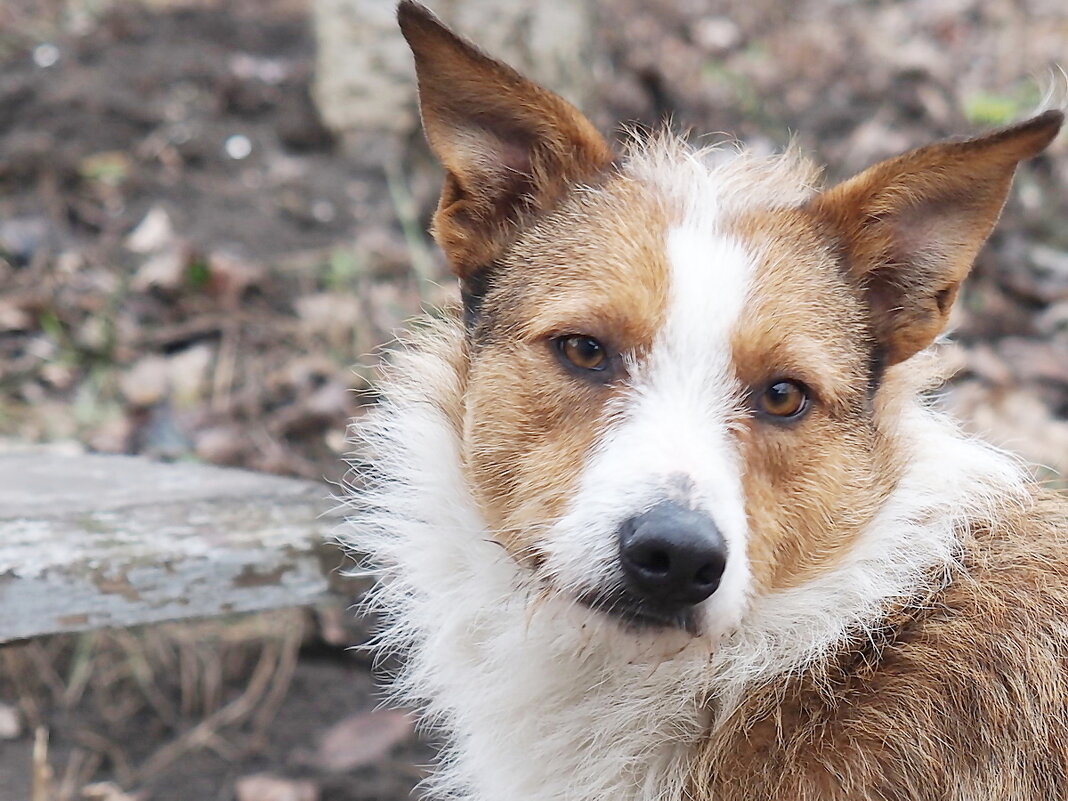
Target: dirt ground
pixel 191 265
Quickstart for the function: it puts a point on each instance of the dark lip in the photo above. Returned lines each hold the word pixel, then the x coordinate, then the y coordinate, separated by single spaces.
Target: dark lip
pixel 634 614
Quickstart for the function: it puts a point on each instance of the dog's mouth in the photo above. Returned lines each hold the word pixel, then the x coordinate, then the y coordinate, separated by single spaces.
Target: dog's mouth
pixel 638 615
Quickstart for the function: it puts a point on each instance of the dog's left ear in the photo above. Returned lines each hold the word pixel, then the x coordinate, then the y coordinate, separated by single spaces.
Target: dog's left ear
pixel 910 227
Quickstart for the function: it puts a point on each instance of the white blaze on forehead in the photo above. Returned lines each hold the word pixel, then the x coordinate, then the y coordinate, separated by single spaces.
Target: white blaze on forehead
pixel 685 388
pixel 710 279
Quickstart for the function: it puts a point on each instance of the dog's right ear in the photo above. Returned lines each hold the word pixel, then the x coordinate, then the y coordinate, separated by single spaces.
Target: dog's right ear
pixel 508 146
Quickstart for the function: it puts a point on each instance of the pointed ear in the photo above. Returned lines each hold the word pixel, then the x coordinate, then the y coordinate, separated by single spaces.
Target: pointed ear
pixel 910 227
pixel 508 146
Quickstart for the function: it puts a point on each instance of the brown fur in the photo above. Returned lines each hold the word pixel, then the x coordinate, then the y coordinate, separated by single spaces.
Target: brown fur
pixel 962 695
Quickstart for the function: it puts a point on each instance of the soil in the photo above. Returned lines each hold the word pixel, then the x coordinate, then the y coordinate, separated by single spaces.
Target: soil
pixel 147 693
pixel 191 264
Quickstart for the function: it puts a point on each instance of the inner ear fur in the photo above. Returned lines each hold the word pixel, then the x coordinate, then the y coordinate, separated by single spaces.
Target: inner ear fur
pixel 910 227
pixel 508 146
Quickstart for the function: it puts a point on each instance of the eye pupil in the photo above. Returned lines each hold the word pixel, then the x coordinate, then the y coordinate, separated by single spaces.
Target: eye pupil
pixel 784 399
pixel 584 352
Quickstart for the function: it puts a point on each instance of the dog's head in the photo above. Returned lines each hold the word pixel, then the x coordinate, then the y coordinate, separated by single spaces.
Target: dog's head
pixel 680 382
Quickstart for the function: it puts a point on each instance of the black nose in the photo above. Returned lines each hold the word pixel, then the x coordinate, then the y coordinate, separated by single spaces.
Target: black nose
pixel 672 556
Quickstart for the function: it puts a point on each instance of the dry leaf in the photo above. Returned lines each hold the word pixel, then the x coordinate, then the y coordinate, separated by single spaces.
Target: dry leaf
pixel 10 724
pixel 153 234
pixel 264 787
pixel 108 791
pixel 361 739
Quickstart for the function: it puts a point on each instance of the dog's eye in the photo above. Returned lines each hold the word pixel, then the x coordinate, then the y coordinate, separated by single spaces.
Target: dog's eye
pixel 786 400
pixel 586 353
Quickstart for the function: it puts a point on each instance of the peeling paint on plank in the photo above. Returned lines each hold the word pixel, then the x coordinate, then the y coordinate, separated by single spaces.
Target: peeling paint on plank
pixel 115 585
pixel 250 577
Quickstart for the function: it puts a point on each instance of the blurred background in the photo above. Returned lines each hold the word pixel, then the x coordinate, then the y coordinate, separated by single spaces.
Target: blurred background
pixel 212 212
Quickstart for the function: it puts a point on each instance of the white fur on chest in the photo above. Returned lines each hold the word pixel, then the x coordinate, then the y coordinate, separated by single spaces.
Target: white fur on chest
pixel 542 700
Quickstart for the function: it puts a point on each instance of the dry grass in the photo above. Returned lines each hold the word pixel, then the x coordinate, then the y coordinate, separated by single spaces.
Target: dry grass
pixel 175 676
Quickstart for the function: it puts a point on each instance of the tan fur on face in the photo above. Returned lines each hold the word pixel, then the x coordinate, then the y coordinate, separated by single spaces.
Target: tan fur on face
pixel 810 486
pixel 861 276
pixel 596 267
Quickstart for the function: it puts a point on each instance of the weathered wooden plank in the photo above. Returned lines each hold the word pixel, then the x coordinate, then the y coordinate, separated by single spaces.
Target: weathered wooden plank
pixel 93 541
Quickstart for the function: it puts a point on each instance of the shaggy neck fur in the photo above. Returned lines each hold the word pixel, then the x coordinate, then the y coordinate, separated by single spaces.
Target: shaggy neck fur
pixel 541 700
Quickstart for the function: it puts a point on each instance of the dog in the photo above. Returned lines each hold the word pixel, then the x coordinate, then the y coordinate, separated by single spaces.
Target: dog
pixel 661 512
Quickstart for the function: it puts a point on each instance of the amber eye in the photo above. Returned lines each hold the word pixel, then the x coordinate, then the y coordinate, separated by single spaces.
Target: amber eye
pixel 784 399
pixel 586 353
